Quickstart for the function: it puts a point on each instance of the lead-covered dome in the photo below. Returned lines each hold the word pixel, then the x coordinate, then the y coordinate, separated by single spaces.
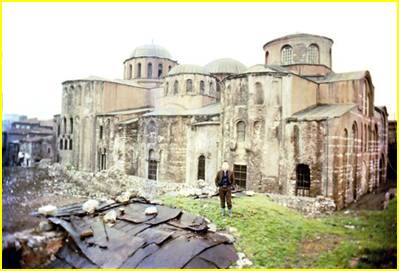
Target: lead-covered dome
pixel 151 50
pixel 225 65
pixel 188 69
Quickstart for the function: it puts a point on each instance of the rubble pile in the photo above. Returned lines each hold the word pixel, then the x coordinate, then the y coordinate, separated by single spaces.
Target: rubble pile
pixel 311 207
pixel 109 183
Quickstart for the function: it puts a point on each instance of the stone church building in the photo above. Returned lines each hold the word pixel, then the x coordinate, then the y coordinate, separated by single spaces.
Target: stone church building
pixel 290 125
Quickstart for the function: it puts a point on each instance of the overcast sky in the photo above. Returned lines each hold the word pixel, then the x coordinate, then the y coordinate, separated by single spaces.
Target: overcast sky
pixel 45 44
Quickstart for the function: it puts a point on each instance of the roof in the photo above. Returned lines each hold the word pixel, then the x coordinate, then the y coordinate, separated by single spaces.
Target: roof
pixel 322 112
pixel 170 238
pixel 225 65
pixel 345 76
pixel 188 69
pixel 129 121
pixel 266 68
pixel 127 111
pixel 150 50
pixel 212 109
pixel 102 79
pixel 297 35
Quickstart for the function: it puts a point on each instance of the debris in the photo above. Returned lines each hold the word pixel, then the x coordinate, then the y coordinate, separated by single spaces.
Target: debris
pixel 351 227
pixel 212 227
pixel 45 226
pixel 86 233
pixel 249 193
pixel 110 217
pixel 48 210
pixel 229 237
pixel 90 206
pixel 121 211
pixel 151 210
pixel 232 230
pixel 123 198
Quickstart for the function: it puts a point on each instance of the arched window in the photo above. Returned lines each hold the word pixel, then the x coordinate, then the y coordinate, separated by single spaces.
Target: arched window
pixel 58 129
pixel 65 125
pixel 240 131
pixel 101 132
pixel 71 125
pixel 313 54
pixel 201 168
pixel 354 139
pixel 70 144
pixel 176 87
pixel 102 159
pixel 267 58
pixel 189 85
pixel 166 88
pixel 259 96
pixel 138 72
pixel 286 55
pixel 152 165
pixel 211 88
pixel 302 180
pixel 160 70
pixel 151 127
pixel 130 75
pixel 61 144
pixel 169 68
pixel 202 87
pixel 149 70
pixel 78 95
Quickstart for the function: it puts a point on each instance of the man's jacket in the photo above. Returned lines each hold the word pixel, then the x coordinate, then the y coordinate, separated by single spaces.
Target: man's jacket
pixel 219 176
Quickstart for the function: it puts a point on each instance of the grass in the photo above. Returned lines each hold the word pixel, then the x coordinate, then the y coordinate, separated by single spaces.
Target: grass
pixel 273 236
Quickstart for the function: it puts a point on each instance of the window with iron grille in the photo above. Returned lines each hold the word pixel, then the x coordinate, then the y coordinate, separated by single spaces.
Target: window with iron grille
pixel 152 166
pixel 201 168
pixel 286 55
pixel 302 180
pixel 240 174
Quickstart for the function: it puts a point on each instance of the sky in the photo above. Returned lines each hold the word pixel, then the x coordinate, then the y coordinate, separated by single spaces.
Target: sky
pixel 45 44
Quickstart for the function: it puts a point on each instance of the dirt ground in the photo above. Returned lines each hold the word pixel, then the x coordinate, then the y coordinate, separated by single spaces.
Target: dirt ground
pixel 24 191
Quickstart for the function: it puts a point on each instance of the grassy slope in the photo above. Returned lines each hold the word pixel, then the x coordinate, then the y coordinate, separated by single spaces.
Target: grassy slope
pixel 273 236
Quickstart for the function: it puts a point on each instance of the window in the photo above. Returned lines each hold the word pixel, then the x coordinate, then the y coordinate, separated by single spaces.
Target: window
pixel 160 70
pixel 48 150
pixel 169 68
pixel 102 159
pixel 201 168
pixel 70 144
pixel 151 127
pixel 202 87
pixel 61 145
pixel 286 55
pixel 101 131
pixel 259 97
pixel 71 124
pixel 211 88
pixel 152 166
pixel 313 54
pixel 166 88
pixel 130 75
pixel 58 129
pixel 302 180
pixel 240 174
pixel 65 125
pixel 354 134
pixel 267 58
pixel 138 72
pixel 149 70
pixel 240 131
pixel 176 87
pixel 189 85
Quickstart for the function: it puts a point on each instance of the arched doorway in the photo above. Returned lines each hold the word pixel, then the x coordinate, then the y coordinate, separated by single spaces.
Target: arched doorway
pixel 201 168
pixel 302 180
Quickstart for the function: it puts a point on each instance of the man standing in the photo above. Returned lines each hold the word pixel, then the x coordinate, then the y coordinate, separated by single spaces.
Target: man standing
pixel 225 182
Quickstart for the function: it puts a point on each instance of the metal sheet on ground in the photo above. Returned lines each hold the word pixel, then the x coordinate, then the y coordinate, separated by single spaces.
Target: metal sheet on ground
pixel 139 255
pixel 213 255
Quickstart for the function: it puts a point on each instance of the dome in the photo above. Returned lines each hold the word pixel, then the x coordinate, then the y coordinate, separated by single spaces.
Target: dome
pixel 225 65
pixel 187 68
pixel 151 50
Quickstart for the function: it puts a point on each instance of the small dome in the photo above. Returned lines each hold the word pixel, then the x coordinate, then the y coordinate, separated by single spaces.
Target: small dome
pixel 187 68
pixel 151 50
pixel 225 65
